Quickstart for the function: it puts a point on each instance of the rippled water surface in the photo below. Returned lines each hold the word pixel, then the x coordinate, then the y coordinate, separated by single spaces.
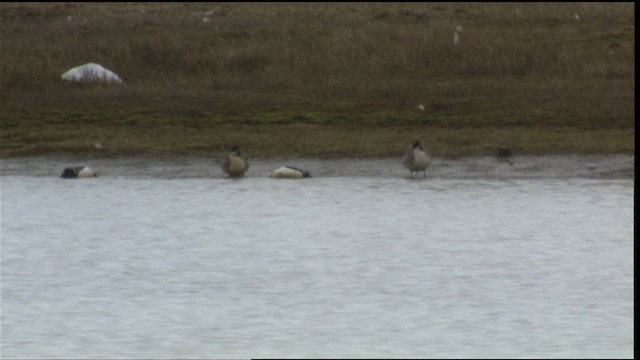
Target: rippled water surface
pixel 321 267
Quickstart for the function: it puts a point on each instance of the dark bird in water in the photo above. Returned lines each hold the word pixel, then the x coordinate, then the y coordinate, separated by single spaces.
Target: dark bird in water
pixel 504 154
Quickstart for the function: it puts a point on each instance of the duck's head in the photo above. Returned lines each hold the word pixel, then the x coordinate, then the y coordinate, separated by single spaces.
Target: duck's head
pixel 69 173
pixel 77 172
pixel 417 145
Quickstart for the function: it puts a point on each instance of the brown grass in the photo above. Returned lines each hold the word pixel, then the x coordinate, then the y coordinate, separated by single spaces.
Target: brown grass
pixel 530 75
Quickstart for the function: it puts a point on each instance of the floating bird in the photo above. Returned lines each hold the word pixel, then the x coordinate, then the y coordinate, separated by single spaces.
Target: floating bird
pixel 91 72
pixel 504 152
pixel 77 172
pixel 416 159
pixel 234 164
pixel 289 172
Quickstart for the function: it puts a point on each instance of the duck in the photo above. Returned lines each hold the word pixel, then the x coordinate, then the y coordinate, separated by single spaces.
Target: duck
pixel 503 151
pixel 289 172
pixel 77 172
pixel 234 164
pixel 416 159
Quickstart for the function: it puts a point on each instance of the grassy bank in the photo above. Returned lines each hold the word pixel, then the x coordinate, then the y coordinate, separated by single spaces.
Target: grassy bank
pixel 318 79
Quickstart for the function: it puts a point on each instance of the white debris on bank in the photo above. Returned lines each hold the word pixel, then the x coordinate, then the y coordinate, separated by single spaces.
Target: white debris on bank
pixel 91 72
pixel 456 34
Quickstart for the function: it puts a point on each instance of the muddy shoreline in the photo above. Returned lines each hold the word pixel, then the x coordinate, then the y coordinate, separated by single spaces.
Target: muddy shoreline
pixel 477 167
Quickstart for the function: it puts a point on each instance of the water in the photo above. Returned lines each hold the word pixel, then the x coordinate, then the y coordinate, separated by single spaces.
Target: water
pixel 324 267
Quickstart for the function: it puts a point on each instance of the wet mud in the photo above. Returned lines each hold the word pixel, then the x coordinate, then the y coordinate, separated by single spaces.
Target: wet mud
pixel 489 167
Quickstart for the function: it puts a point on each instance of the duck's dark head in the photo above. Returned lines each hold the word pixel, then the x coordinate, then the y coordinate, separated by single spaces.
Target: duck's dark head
pixel 235 149
pixel 305 174
pixel 69 173
pixel 417 144
pixel 504 152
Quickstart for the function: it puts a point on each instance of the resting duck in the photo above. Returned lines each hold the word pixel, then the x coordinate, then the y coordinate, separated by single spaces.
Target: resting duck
pixel 77 172
pixel 234 164
pixel 416 159
pixel 289 172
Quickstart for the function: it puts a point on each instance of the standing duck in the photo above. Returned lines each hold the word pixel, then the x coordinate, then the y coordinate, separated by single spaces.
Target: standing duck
pixel 416 159
pixel 234 164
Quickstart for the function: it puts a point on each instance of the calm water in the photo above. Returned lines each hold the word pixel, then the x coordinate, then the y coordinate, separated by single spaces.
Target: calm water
pixel 323 267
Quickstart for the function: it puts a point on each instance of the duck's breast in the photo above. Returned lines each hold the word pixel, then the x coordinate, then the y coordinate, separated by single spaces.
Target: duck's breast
pixel 421 161
pixel 236 165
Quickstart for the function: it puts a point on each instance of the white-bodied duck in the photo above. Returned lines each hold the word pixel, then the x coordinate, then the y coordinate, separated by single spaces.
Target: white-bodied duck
pixel 77 172
pixel 289 172
pixel 234 164
pixel 417 159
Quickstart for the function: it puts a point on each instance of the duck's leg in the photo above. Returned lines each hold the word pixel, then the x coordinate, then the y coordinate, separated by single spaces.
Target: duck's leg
pixel 424 174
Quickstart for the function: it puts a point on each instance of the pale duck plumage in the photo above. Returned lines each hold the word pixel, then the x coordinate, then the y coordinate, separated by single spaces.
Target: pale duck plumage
pixel 289 172
pixel 416 159
pixel 235 165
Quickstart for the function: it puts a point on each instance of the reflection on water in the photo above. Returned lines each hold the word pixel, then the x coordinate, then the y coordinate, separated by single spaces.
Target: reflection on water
pixel 323 267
